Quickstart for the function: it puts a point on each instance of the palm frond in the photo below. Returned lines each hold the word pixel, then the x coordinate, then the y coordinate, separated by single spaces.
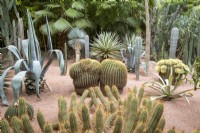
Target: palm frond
pixel 52 6
pixel 44 13
pixel 43 28
pixel 78 5
pixel 82 23
pixel 72 13
pixel 62 25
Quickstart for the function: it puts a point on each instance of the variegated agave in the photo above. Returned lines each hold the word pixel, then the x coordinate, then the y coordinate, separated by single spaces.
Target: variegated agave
pixel 33 62
pixel 166 90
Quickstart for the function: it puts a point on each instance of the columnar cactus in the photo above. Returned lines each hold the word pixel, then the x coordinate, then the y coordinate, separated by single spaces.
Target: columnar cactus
pixel 138 50
pixel 172 66
pixel 85 74
pixel 113 72
pixel 87 51
pixel 173 42
pixel 19 109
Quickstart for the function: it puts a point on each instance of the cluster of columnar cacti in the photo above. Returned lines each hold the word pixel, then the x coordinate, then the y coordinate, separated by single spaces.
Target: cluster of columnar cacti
pixel 18 109
pixel 113 72
pixel 112 114
pixel 175 67
pixel 173 42
pixel 85 74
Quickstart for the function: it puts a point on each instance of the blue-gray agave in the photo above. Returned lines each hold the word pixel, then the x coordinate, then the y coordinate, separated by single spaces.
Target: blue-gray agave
pixel 33 62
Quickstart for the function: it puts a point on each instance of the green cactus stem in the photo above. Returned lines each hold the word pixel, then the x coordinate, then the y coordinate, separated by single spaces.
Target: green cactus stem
pixel 48 128
pixel 5 126
pixel 86 118
pixel 173 42
pixel 118 125
pixel 41 120
pixel 138 50
pixel 17 125
pixel 99 120
pixel 27 125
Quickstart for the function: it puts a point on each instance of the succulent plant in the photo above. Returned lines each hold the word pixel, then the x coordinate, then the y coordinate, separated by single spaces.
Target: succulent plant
pixel 175 67
pixel 113 72
pixel 85 74
pixel 18 109
pixel 106 45
pixel 31 63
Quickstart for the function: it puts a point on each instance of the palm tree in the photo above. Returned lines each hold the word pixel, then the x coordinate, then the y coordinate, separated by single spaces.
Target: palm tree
pixel 77 41
pixel 63 16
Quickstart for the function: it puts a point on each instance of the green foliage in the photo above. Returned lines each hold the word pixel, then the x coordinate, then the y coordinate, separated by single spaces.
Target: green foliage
pixel 106 45
pixel 196 73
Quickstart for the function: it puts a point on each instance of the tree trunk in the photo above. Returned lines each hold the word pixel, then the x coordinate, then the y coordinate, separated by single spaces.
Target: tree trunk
pixel 147 48
pixel 78 52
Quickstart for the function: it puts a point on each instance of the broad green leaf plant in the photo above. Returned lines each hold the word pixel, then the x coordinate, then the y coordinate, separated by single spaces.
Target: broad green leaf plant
pixel 33 62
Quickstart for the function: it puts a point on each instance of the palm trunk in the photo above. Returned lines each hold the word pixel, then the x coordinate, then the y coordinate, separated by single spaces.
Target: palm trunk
pixel 78 52
pixel 147 49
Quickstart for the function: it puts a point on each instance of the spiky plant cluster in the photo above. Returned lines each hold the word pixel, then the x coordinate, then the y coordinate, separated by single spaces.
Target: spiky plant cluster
pixel 18 109
pixel 174 67
pixel 85 74
pixel 106 45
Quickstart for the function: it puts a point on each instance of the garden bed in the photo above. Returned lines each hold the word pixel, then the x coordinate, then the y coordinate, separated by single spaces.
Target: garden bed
pixel 177 112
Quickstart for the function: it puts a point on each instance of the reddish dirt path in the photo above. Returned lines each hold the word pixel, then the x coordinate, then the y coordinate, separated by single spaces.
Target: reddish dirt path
pixel 177 113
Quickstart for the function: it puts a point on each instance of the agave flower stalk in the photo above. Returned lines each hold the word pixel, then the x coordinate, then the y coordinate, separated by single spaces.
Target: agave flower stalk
pixel 33 62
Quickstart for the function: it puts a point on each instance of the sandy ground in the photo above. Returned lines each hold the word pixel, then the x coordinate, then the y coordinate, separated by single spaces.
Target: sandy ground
pixel 178 113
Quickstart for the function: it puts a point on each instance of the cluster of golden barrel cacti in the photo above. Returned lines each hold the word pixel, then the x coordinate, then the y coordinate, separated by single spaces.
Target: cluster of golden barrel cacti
pixel 89 73
pixel 95 113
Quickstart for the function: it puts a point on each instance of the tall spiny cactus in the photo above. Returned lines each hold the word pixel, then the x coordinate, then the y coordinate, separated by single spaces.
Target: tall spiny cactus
pixel 173 42
pixel 138 49
pixel 87 51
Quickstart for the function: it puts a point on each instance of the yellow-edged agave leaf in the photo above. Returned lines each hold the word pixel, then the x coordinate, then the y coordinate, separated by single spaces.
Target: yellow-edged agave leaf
pixel 2 94
pixel 62 25
pixel 72 13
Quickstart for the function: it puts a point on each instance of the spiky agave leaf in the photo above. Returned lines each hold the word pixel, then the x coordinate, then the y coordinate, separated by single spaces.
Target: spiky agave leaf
pixel 106 45
pixel 2 79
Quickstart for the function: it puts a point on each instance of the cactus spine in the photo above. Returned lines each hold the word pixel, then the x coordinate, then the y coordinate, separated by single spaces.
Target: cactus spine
pixel 48 128
pixel 86 118
pixel 99 120
pixel 17 125
pixel 138 49
pixel 85 74
pixel 173 42
pixel 113 72
pixel 73 122
pixel 5 126
pixel 27 125
pixel 155 118
pixel 118 125
pixel 41 120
